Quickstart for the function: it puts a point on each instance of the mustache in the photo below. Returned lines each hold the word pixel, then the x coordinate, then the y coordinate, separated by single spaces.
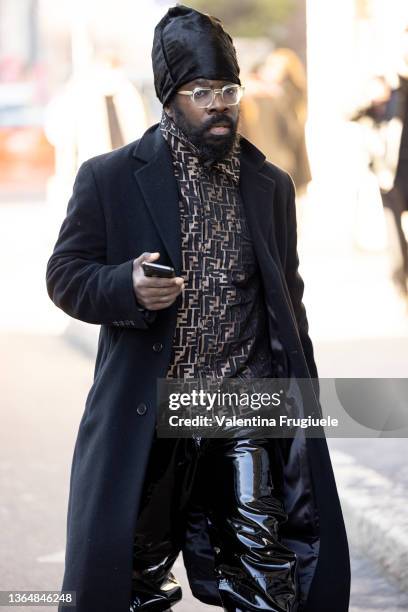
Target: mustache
pixel 220 120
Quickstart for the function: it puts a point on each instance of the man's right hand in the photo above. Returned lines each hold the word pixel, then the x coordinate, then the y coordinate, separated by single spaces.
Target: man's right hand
pixel 152 292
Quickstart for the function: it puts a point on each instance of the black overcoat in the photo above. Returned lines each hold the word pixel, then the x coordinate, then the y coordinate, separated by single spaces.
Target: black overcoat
pixel 123 204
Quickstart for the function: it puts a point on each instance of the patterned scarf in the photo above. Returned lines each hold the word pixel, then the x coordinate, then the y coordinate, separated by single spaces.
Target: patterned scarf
pixel 220 328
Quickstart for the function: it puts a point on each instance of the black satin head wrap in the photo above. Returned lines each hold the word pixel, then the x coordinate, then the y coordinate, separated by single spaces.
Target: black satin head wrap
pixel 188 45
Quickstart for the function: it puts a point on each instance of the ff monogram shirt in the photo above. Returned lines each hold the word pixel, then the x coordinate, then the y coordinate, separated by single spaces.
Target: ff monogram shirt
pixel 221 327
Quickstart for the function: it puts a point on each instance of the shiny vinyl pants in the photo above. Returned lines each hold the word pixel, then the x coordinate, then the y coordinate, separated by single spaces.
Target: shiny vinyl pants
pixel 254 570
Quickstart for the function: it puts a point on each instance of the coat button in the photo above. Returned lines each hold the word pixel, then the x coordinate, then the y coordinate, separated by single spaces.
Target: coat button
pixel 141 409
pixel 157 347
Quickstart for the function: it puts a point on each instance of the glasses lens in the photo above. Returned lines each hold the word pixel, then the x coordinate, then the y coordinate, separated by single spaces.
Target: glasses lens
pixel 231 94
pixel 202 96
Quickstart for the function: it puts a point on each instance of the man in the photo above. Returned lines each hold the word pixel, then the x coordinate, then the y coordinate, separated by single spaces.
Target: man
pixel 385 139
pixel 398 202
pixel 258 522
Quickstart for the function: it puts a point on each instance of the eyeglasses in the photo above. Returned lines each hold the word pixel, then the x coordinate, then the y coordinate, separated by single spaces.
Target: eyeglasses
pixel 203 97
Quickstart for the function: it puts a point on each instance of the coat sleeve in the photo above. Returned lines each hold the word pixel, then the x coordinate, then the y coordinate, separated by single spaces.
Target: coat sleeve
pixel 296 285
pixel 77 277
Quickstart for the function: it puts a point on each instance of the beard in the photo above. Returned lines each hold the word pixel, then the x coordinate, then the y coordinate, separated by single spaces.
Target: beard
pixel 210 146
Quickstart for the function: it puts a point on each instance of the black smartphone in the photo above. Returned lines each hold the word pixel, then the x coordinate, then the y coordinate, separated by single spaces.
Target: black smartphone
pixel 153 269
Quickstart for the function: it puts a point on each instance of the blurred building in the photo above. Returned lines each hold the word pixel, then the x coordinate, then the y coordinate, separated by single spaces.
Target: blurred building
pixel 347 43
pixel 18 35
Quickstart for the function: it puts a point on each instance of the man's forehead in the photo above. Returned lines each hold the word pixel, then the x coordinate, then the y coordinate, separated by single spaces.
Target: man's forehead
pixel 202 82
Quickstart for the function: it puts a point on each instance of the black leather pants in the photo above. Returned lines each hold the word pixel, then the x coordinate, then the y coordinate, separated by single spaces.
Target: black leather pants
pixel 159 531
pixel 254 570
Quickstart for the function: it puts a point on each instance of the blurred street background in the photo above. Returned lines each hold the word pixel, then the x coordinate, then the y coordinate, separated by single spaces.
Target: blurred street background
pixel 327 99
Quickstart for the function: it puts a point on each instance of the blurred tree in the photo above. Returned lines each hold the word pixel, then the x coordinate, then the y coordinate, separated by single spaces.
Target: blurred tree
pixel 250 18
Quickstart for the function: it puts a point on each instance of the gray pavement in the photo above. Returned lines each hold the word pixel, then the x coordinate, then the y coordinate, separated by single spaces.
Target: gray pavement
pixel 371 591
pixel 387 456
pixel 44 381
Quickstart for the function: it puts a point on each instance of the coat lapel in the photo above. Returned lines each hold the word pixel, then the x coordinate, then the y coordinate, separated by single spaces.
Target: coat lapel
pixel 257 195
pixel 159 188
pixel 258 192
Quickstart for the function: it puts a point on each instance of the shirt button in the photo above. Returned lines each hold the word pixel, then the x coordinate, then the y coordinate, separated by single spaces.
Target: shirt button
pixel 141 409
pixel 157 347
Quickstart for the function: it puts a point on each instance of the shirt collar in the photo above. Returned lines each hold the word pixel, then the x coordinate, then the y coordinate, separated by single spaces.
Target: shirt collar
pixel 229 165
